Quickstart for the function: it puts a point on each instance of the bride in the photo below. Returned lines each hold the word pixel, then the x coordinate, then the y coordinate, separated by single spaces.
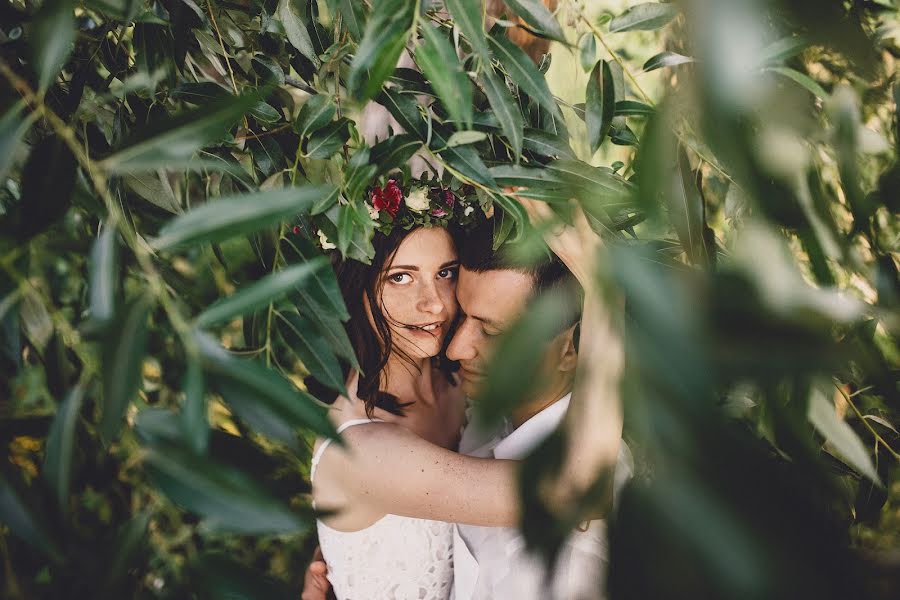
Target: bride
pixel 392 494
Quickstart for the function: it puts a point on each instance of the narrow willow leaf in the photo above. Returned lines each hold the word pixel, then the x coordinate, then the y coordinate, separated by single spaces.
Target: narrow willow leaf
pixel 322 286
pixel 505 108
pixel 271 288
pixel 633 108
pixel 840 435
pixel 438 60
pixel 462 138
pixel 264 113
pixel 289 12
pixel 126 548
pixel 780 50
pixel 123 353
pixel 468 16
pixel 359 174
pixel 582 175
pixel 644 17
pixel 238 215
pixel 600 104
pixel 57 469
pixel 154 188
pixel 261 396
pixel 464 159
pixel 51 40
pixel 526 177
pixel 524 73
pixel 301 336
pixel 315 114
pixel 19 515
pixel 385 37
pixel 538 18
pixel 194 419
pixel 394 152
pixel 13 126
pixel 176 138
pixel 587 51
pixel 353 15
pixel 328 140
pixel 811 85
pixel 227 499
pixel 104 272
pixel 686 211
pixel 666 59
pixel 405 111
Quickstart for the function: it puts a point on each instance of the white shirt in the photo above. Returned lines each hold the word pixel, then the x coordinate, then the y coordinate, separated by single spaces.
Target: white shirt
pixel 492 563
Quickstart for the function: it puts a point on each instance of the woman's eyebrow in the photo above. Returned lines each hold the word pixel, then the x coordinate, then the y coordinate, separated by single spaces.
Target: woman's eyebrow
pixel 415 268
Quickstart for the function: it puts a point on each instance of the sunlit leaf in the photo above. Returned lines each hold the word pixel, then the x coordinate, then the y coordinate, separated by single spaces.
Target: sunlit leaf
pixel 523 72
pixel 438 60
pixel 263 292
pixel 644 17
pixel 505 109
pixel 292 15
pixel 469 17
pixel 801 78
pixel 238 215
pixel 840 435
pixel 600 104
pixel 666 59
pixel 385 37
pixel 538 17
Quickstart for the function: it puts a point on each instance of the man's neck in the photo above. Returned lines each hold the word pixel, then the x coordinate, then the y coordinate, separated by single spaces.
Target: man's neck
pixel 548 398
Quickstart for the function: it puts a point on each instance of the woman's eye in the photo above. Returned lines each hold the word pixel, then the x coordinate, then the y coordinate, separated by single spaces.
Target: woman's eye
pixel 447 273
pixel 400 278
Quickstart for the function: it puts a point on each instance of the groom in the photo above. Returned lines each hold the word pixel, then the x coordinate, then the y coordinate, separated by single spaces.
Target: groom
pixel 493 290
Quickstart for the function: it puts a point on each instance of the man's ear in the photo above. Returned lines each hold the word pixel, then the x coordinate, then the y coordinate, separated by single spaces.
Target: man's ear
pixel 568 353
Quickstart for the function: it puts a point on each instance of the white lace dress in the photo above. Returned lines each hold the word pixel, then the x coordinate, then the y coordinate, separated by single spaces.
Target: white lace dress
pixel 395 558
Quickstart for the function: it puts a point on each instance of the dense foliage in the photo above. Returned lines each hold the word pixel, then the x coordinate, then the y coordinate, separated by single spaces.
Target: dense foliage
pixel 167 167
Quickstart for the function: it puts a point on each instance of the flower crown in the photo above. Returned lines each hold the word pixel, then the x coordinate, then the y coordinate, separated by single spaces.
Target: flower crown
pixel 420 204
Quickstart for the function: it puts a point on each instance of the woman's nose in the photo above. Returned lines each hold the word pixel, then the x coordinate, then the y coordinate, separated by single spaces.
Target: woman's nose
pixel 430 300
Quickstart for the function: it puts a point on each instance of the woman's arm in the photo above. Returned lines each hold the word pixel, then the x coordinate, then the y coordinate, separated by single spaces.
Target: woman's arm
pixel 395 471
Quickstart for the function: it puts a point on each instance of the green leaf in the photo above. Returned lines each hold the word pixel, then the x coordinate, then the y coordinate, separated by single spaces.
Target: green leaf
pixel 385 38
pixel 300 335
pixel 539 18
pixel 328 140
pixel 394 152
pixel 632 108
pixel 524 73
pixel 405 111
pixel 57 469
pixel 526 177
pixel 103 272
pixel 468 16
pixel 464 159
pixel 292 18
pixel 437 59
pixel 547 144
pixel 644 17
pixel 123 354
pixel 780 50
pixel 315 114
pixel 269 289
pixel 216 576
pixel 13 126
pixel 587 51
pixel 264 113
pixel 232 216
pixel 229 500
pixel 505 108
pixel 666 59
pixel 169 142
pixel 462 138
pixel 840 435
pixel 19 515
pixel 686 211
pixel 194 421
pixel 600 104
pixel 322 288
pixel 260 396
pixel 124 551
pixel 353 15
pixel 154 188
pixel 51 40
pixel 804 80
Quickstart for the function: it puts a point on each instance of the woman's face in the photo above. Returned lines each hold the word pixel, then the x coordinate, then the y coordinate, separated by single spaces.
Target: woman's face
pixel 418 292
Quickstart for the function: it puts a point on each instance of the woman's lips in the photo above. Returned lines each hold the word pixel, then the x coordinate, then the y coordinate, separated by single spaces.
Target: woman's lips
pixel 430 330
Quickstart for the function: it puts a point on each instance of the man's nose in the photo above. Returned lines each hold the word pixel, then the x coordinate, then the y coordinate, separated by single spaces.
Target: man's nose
pixel 461 346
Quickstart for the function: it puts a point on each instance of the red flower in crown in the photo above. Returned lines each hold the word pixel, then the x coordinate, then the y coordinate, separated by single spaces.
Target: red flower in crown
pixel 387 199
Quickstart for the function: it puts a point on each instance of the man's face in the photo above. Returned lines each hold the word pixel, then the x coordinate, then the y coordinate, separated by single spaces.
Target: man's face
pixel 489 303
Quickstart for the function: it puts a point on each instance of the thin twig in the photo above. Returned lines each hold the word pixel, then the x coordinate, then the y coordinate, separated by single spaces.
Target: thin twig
pixel 878 438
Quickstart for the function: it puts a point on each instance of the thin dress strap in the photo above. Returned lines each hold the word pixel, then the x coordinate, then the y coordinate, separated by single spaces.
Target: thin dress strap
pixel 318 454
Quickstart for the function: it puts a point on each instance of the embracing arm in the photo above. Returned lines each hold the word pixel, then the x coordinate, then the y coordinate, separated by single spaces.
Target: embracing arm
pixel 394 470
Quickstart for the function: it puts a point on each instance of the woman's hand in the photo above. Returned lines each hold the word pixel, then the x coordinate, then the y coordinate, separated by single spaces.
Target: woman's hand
pixel 576 245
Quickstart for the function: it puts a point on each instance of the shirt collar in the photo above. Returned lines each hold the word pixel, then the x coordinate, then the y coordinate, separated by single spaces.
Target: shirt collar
pixel 531 433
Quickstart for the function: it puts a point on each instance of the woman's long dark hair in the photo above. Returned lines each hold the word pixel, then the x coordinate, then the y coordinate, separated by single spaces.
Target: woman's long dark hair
pixel 361 284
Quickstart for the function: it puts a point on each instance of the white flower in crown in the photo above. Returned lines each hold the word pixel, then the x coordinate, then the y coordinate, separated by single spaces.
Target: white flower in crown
pixel 417 199
pixel 373 212
pixel 323 240
pixel 468 210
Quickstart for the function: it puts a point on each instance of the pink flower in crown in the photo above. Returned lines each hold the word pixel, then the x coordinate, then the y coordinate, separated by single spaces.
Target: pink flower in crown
pixel 449 200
